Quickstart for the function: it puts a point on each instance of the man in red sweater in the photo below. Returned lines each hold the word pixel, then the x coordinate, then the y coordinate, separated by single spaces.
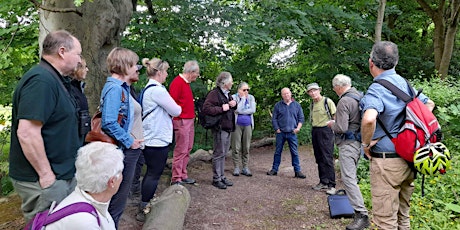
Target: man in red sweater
pixel 183 125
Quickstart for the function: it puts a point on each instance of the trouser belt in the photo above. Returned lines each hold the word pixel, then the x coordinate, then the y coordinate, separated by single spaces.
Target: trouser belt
pixel 384 155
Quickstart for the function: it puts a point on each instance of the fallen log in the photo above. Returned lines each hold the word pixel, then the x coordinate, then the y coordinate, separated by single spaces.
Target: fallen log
pixel 168 210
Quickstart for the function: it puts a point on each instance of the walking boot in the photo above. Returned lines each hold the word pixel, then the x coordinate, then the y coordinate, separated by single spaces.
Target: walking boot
pixel 360 222
pixel 140 216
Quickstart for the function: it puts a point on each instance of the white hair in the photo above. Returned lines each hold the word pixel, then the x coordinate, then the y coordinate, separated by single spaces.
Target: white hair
pixel 96 163
pixel 341 80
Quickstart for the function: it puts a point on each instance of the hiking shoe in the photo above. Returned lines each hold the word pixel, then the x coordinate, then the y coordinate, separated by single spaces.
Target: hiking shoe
pixel 331 191
pixel 227 182
pixel 188 181
pixel 272 173
pixel 176 182
pixel 236 172
pixel 140 216
pixel 319 187
pixel 219 184
pixel 300 175
pixel 246 172
pixel 360 222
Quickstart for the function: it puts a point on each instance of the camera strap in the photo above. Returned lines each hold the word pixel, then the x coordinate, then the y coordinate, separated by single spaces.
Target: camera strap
pixel 52 71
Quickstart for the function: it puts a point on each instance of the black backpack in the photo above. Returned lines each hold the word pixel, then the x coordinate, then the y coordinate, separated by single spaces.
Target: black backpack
pixel 208 121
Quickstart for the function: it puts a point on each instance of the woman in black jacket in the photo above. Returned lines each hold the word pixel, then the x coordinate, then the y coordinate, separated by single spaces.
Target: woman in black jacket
pixel 220 102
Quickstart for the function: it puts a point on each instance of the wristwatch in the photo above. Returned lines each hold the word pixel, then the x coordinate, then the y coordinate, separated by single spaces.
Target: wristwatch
pixel 365 145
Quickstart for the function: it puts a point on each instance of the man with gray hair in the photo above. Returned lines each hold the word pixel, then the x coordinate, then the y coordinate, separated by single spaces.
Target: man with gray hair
pixel 183 125
pixel 391 177
pixel 346 127
pixel 44 130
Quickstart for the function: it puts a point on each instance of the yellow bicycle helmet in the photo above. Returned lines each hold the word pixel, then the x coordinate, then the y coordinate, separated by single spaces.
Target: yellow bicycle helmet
pixel 432 158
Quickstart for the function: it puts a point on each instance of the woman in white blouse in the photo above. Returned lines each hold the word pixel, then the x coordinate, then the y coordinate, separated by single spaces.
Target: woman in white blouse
pixel 158 108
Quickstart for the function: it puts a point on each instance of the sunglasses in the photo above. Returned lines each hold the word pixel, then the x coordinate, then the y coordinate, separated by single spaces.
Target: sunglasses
pixel 246 90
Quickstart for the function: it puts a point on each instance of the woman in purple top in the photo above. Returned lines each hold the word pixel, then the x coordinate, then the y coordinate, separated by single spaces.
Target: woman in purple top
pixel 241 137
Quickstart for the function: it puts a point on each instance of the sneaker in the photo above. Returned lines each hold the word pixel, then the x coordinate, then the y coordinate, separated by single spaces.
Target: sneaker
pixel 319 187
pixel 331 191
pixel 140 216
pixel 360 222
pixel 227 182
pixel 188 181
pixel 236 172
pixel 300 175
pixel 219 184
pixel 246 172
pixel 176 182
pixel 272 173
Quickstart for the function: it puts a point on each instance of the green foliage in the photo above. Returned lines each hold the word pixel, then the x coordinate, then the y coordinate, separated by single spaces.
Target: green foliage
pixel 18 44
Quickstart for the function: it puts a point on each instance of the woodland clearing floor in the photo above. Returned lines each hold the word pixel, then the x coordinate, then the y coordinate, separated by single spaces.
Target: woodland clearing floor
pixel 258 202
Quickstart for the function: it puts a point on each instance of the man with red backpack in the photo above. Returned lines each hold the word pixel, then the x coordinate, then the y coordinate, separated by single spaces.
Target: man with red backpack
pixel 391 177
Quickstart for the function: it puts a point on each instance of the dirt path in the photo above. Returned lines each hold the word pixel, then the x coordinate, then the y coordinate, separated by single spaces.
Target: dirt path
pixel 257 202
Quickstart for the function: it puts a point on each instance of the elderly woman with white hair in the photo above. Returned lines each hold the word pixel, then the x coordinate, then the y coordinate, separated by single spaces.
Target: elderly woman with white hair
pixel 99 174
pixel 220 102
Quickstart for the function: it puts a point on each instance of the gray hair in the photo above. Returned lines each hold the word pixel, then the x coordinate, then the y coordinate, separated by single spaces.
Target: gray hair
pixel 341 80
pixel 96 163
pixel 54 40
pixel 242 84
pixel 191 66
pixel 385 55
pixel 223 79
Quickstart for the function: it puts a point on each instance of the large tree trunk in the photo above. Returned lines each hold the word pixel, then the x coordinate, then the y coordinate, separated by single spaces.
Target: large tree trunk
pixel 451 31
pixel 99 30
pixel 445 19
pixel 380 17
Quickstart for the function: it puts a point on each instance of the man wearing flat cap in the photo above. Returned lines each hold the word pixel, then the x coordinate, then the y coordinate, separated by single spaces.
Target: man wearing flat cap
pixel 322 109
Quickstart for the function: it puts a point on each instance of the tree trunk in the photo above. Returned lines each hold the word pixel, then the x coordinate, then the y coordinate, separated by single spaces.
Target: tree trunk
pixel 380 17
pixel 445 19
pixel 99 30
pixel 451 26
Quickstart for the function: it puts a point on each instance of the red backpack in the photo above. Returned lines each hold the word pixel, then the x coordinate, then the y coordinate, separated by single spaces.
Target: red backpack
pixel 419 128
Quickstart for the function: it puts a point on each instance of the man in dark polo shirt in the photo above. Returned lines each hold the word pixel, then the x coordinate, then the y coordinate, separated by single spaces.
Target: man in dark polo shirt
pixel 44 136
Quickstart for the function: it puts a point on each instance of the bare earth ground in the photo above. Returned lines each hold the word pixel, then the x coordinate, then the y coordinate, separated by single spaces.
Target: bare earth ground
pixel 257 202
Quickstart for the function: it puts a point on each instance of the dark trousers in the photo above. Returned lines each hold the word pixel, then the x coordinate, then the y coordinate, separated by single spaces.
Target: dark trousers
pixel 155 159
pixel 118 201
pixel 323 148
pixel 136 186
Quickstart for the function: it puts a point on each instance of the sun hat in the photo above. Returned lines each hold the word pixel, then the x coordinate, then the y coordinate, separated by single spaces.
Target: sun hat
pixel 313 86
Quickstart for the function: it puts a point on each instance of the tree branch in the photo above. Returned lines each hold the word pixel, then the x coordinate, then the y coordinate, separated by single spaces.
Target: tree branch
pixel 56 10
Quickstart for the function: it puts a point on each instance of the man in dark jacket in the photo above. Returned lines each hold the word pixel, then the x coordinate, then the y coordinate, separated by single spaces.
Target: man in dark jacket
pixel 220 102
pixel 287 120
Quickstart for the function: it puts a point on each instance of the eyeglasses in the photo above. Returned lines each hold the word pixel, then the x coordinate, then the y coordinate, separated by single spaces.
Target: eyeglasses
pixel 246 90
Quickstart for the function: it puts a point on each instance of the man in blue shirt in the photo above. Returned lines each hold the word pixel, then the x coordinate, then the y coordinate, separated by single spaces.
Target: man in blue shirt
pixel 287 120
pixel 391 177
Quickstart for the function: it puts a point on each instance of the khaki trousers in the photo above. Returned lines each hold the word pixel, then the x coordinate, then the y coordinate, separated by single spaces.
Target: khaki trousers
pixel 391 187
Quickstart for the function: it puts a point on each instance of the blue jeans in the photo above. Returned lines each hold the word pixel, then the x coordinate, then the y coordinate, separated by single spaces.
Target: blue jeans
pixel 155 159
pixel 291 138
pixel 118 201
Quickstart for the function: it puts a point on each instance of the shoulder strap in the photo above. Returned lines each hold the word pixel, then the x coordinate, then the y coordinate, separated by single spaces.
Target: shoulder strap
pixel 52 71
pixel 141 98
pixel 398 93
pixel 354 96
pixel 72 209
pixel 326 106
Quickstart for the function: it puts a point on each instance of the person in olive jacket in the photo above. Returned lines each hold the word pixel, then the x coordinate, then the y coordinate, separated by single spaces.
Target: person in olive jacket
pixel 220 102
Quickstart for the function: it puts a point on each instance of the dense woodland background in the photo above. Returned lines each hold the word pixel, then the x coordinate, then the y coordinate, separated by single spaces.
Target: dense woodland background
pixel 270 44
